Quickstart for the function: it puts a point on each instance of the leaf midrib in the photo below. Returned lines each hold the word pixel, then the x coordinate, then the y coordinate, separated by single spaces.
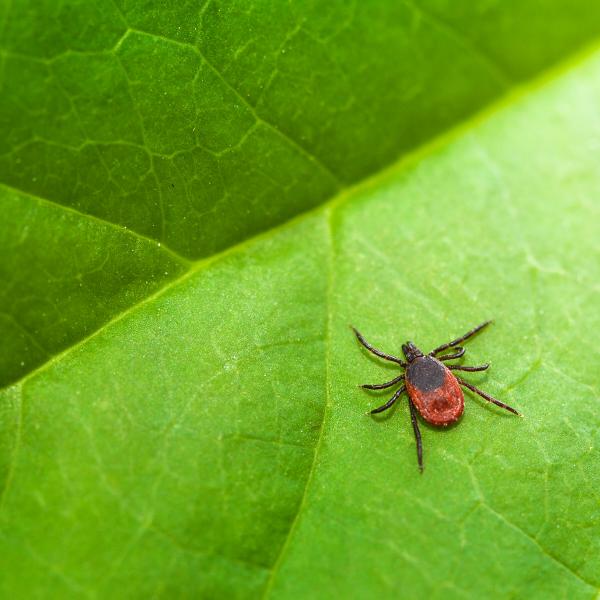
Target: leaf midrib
pixel 404 162
pixel 327 340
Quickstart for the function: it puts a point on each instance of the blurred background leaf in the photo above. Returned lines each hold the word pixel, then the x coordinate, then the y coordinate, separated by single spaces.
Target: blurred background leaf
pixel 180 415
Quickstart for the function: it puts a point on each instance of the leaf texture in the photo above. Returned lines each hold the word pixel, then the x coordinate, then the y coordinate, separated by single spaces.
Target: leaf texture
pixel 190 427
pixel 202 125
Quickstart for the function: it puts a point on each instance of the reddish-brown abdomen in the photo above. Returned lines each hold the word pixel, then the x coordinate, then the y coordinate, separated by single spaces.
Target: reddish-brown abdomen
pixel 434 391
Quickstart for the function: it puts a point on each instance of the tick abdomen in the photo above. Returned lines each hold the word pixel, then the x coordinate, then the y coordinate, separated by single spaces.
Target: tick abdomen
pixel 434 391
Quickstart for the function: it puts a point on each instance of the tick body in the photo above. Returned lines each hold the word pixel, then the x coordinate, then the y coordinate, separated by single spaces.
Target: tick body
pixel 433 390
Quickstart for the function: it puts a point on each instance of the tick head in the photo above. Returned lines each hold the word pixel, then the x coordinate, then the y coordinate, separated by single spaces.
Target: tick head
pixel 411 351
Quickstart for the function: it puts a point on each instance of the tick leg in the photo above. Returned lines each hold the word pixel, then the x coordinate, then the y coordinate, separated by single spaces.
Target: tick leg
pixel 462 338
pixel 461 368
pixel 382 386
pixel 460 351
pixel 488 397
pixel 379 353
pixel 415 424
pixel 389 402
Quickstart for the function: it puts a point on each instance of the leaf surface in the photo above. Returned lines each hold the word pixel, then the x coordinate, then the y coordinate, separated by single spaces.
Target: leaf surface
pixel 200 125
pixel 210 440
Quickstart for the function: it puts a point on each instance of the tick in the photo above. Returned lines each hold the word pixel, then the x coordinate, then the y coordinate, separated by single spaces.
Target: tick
pixel 433 390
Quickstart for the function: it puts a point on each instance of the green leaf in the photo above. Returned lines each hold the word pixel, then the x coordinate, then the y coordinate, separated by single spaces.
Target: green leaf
pixel 207 439
pixel 200 125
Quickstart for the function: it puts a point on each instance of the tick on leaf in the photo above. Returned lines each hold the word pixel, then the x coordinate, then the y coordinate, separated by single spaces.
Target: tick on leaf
pixel 433 390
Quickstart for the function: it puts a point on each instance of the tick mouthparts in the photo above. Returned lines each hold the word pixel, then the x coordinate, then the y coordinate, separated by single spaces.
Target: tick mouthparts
pixel 411 351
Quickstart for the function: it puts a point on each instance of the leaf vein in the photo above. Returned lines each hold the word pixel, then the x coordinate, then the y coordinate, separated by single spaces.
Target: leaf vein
pixel 309 480
pixel 103 222
pixel 459 37
pixel 15 451
pixel 272 126
pixel 544 551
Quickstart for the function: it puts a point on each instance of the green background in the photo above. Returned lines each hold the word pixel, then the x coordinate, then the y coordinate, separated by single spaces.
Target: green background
pixel 198 199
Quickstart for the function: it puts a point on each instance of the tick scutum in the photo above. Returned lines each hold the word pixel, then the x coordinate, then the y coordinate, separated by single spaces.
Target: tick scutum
pixel 426 373
pixel 434 391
